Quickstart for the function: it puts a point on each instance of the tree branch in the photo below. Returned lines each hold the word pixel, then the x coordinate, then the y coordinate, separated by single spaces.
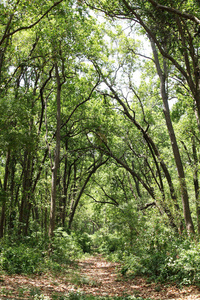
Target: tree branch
pixel 175 11
pixel 30 26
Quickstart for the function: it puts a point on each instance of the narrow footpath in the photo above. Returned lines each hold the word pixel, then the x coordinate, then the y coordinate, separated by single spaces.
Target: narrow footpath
pixel 93 276
pixel 105 280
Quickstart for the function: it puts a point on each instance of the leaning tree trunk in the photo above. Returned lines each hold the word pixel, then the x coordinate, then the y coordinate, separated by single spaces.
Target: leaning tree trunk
pixel 154 150
pixel 93 170
pixel 175 148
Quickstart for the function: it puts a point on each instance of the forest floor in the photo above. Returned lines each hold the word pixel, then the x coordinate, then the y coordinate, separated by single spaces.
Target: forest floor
pixel 92 276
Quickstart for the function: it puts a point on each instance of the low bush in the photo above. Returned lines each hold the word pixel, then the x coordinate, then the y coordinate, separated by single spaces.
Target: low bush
pixel 180 263
pixel 107 243
pixel 85 241
pixel 65 247
pixel 20 259
pixel 30 255
pixel 185 266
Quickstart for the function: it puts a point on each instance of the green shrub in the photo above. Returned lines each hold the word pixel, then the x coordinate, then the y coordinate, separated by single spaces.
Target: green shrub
pixel 20 259
pixel 108 242
pixel 28 256
pixel 85 241
pixel 185 266
pixel 179 262
pixel 65 247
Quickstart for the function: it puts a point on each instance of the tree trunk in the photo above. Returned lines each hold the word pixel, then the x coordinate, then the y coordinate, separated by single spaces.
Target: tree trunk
pixel 96 166
pixel 153 148
pixel 196 183
pixel 177 157
pixel 66 180
pixel 25 200
pixel 56 158
pixel 3 210
pixel 12 211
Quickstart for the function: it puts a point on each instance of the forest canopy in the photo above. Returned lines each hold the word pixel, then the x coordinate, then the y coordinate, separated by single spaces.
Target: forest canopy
pixel 100 120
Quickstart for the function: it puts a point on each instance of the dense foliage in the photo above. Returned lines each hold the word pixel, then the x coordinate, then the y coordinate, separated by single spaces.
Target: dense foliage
pixel 99 135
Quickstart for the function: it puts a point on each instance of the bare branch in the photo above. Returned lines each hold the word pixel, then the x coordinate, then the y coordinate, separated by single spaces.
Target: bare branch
pixel 147 205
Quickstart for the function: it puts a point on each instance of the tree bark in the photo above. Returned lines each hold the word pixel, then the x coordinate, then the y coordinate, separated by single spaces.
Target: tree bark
pixel 25 205
pixel 196 183
pixel 3 210
pixel 55 166
pixel 181 175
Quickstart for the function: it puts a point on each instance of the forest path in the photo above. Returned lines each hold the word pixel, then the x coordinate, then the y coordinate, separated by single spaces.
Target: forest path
pixel 103 278
pixel 93 275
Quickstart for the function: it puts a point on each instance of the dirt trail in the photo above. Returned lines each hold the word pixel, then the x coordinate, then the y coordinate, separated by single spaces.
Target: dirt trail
pixel 94 276
pixel 105 280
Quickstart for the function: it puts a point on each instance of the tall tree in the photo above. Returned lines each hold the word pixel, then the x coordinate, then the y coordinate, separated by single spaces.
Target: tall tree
pixel 156 21
pixel 162 73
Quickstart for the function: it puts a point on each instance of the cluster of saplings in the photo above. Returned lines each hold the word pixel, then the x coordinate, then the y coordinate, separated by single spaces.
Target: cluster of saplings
pixel 157 253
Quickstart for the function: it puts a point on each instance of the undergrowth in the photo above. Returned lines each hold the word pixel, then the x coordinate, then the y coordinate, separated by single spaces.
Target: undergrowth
pixel 32 255
pixel 161 256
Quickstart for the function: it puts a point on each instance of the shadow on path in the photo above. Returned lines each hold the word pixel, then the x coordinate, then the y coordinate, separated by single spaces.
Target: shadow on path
pixel 94 276
pixel 103 278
